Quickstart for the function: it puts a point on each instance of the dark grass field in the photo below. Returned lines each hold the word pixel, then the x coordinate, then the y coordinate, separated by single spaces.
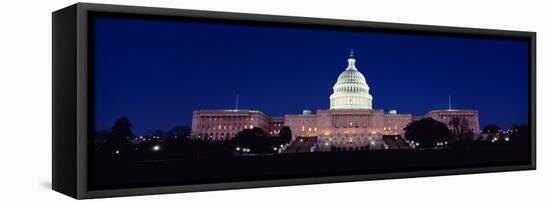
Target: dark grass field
pixel 192 170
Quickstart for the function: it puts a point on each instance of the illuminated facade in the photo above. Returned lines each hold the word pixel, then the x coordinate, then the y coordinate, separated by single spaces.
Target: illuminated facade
pixel 350 123
pixel 470 119
pixel 225 124
pixel 351 90
pixel 350 128
pixel 220 125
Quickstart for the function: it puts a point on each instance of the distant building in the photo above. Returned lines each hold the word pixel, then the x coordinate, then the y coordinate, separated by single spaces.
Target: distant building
pixel 350 124
pixel 225 124
pixel 470 117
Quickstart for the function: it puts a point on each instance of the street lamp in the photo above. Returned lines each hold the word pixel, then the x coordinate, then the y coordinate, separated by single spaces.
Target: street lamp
pixel 156 148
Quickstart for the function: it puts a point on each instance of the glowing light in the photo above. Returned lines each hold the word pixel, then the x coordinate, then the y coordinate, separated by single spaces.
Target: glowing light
pixel 156 148
pixel 117 152
pixel 507 139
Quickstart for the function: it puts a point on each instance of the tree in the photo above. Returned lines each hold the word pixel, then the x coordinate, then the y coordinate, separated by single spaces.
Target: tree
pixel 254 139
pixel 459 125
pixel 183 132
pixel 285 134
pixel 427 132
pixel 121 132
pixel 491 129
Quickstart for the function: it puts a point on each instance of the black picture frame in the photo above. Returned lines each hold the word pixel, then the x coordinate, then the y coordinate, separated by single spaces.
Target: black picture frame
pixel 72 100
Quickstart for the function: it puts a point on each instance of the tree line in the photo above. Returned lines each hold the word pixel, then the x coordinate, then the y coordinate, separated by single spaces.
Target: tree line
pixel 430 133
pixel 120 143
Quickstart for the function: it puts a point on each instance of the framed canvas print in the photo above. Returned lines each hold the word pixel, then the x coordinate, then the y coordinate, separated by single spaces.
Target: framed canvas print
pixel 154 100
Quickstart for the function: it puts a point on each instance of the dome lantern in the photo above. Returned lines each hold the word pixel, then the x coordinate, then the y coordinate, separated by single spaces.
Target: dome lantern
pixel 351 61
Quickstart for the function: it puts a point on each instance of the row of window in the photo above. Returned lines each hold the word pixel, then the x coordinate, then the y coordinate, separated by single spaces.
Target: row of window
pixel 350 125
pixel 351 89
pixel 309 129
pixel 215 136
pixel 227 118
pixel 350 101
pixel 225 127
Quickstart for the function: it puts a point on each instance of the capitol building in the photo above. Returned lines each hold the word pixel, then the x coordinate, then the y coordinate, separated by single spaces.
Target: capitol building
pixel 351 123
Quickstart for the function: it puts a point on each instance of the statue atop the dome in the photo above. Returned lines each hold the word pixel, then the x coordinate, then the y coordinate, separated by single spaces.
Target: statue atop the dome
pixel 351 54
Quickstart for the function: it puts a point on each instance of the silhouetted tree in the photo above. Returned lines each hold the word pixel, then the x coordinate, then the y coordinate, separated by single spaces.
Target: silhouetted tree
pixel 491 129
pixel 183 132
pixel 159 133
pixel 459 125
pixel 427 132
pixel 122 129
pixel 285 134
pixel 155 135
pixel 254 139
pixel 121 136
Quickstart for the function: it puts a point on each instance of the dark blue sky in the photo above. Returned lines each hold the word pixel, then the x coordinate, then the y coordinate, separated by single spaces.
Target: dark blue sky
pixel 157 72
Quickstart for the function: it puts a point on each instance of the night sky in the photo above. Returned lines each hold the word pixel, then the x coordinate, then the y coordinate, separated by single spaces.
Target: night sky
pixel 157 72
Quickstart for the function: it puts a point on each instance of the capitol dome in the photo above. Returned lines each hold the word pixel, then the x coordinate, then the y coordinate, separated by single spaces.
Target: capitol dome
pixel 351 90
